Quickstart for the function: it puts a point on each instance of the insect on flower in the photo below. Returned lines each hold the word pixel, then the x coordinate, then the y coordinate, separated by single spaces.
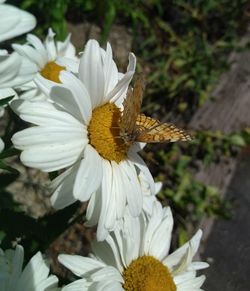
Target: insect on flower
pixel 136 127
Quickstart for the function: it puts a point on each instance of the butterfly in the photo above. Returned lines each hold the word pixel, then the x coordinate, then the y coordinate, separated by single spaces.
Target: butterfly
pixel 137 127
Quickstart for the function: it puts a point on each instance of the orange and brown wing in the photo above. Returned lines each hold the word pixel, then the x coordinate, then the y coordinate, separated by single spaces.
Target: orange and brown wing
pixel 132 107
pixel 151 130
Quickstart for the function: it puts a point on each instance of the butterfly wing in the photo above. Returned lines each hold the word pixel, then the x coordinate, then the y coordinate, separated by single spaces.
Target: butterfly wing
pixel 132 107
pixel 150 130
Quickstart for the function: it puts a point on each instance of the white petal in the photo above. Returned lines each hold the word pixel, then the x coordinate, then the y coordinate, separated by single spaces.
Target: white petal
pixel 44 113
pixel 189 248
pixel 25 74
pixel 193 284
pixel 78 285
pixel 56 135
pixel 9 67
pixel 178 279
pixel 49 283
pixel 1 145
pixel 30 53
pixel 49 148
pixel 94 209
pixel 140 164
pixel 162 232
pixel 198 266
pixel 104 252
pixel 50 45
pixel 70 64
pixel 109 286
pixel 38 45
pixel 14 22
pixel 130 242
pixel 107 273
pixel 91 72
pixel 17 262
pixel 34 272
pixel 118 192
pixel 45 85
pixel 66 48
pixel 105 193
pixel 80 265
pixel 118 94
pixel 89 175
pixel 80 95
pixel 111 196
pixel 110 71
pixel 132 187
pixel 62 187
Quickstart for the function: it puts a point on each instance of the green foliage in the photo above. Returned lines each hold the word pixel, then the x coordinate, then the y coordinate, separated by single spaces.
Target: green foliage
pixel 5 166
pixel 5 101
pixel 182 47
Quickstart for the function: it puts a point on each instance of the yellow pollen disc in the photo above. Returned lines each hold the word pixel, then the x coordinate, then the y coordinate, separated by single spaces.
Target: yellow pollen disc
pixel 104 133
pixel 147 274
pixel 51 71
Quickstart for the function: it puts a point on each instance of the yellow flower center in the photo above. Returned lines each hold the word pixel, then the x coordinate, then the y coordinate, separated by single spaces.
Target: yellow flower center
pixel 51 71
pixel 147 274
pixel 104 133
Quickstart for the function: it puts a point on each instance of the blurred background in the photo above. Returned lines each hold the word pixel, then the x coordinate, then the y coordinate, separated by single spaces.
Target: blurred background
pixel 195 56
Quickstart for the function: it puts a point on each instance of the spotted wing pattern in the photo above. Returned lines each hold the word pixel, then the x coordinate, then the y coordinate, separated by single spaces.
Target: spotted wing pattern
pixel 138 127
pixel 150 130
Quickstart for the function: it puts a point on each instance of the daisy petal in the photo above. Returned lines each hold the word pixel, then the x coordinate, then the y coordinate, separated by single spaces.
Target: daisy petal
pixel 91 72
pixel 78 285
pixel 44 113
pixel 17 262
pixel 89 174
pixel 132 188
pixel 138 161
pixel 106 187
pixel 80 95
pixel 50 45
pixel 94 209
pixel 31 54
pixel 108 272
pixel 193 284
pixel 176 257
pixel 118 94
pixel 41 271
pixel 37 44
pixel 161 230
pixel 62 188
pixel 110 71
pixel 70 64
pixel 14 22
pixel 80 265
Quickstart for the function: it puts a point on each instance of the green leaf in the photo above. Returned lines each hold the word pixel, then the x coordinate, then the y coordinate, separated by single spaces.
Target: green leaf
pixel 237 140
pixel 9 153
pixel 8 168
pixel 5 101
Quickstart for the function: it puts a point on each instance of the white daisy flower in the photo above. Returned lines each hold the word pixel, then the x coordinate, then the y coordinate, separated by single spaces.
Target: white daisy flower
pixel 136 257
pixel 14 21
pixel 80 131
pixel 34 277
pixel 148 198
pixel 48 59
pixel 14 72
